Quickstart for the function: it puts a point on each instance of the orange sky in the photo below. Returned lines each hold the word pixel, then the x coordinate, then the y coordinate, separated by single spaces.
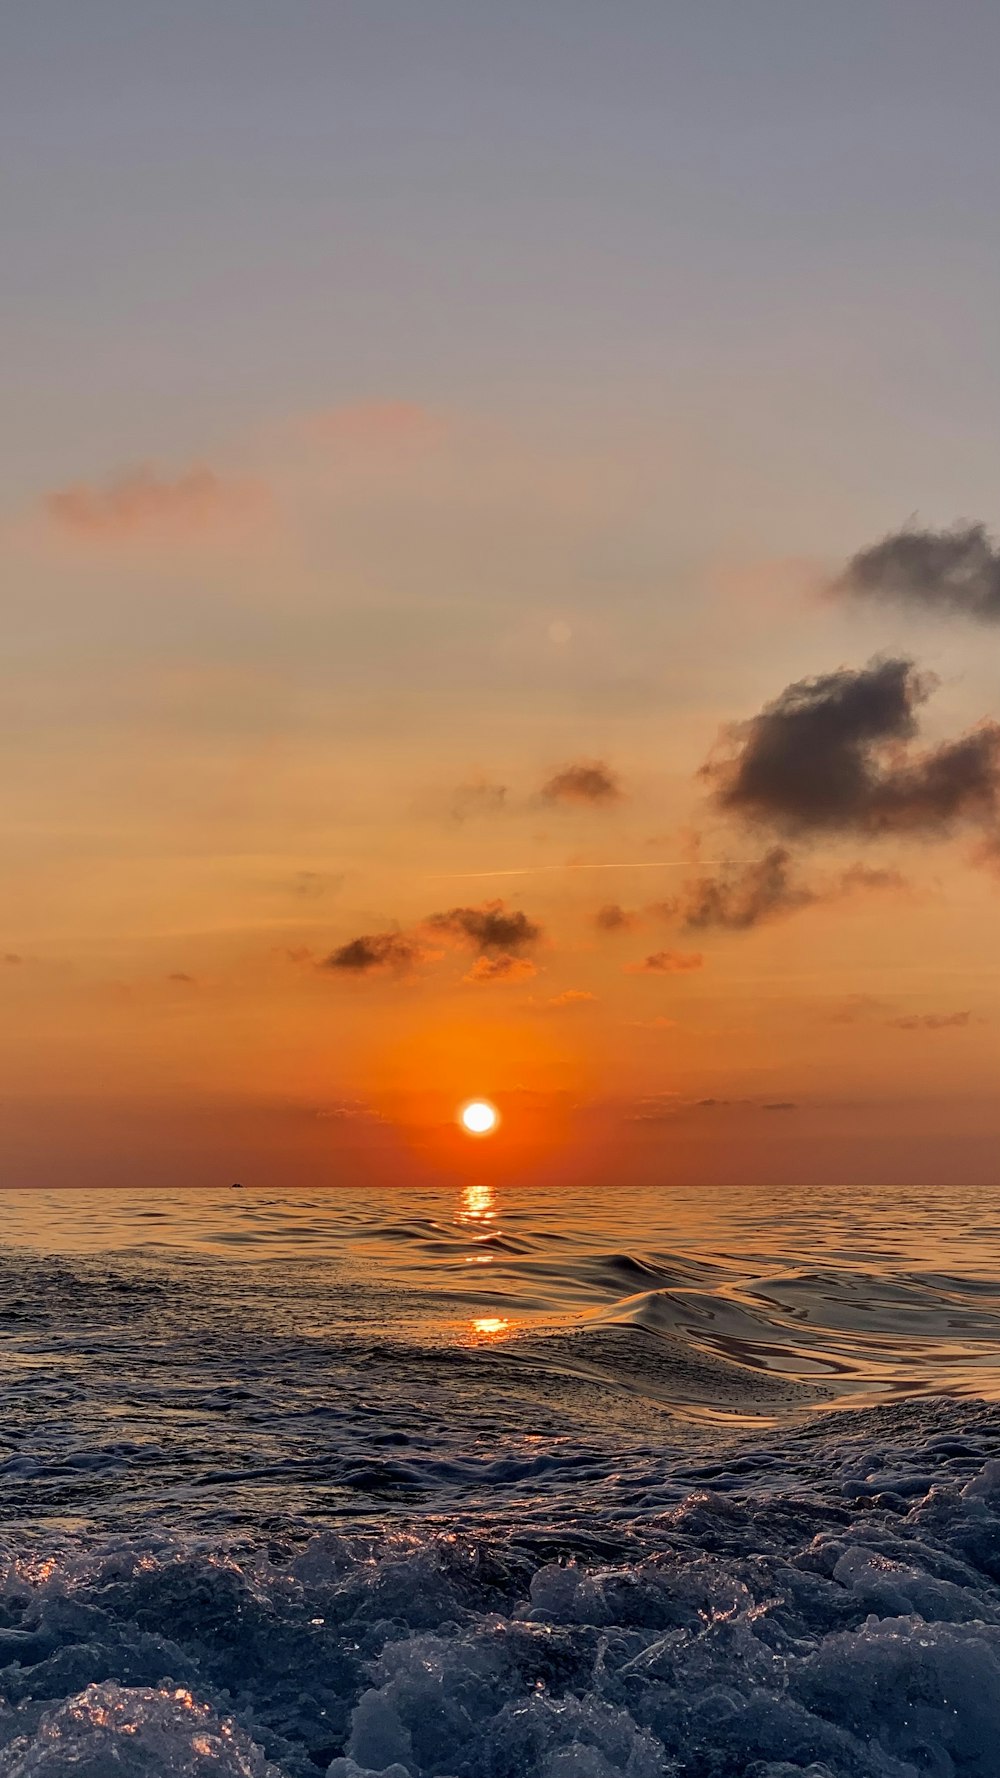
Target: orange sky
pixel 310 717
pixel 420 454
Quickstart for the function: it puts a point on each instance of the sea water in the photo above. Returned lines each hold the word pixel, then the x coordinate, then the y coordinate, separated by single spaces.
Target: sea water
pixel 490 1483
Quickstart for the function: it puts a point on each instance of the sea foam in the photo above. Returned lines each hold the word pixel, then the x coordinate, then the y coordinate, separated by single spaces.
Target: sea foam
pixel 847 1627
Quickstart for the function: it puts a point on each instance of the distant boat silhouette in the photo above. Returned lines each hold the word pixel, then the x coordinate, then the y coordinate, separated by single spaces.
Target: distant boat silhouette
pixel 236 1187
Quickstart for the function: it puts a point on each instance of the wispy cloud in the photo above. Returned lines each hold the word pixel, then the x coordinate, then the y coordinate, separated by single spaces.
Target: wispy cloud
pixel 502 968
pixel 666 963
pixel 663 1107
pixel 480 797
pixel 868 1009
pixel 932 1021
pixel 142 504
pixel 745 895
pixel 588 781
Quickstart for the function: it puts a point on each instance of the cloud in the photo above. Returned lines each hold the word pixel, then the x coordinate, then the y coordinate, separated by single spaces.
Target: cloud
pixel 500 932
pixel 178 975
pixel 491 927
pixel 572 997
pixel 856 1007
pixel 931 1021
pixel 142 503
pixel 745 895
pixel 312 885
pixel 661 1106
pixel 955 572
pixel 612 918
pixel 749 894
pixel 13 959
pixel 587 781
pixel 869 878
pixel 502 968
pixel 861 1008
pixel 480 797
pixel 374 951
pixel 830 754
pixel 666 963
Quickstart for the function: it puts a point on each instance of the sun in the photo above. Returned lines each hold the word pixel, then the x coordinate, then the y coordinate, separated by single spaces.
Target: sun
pixel 479 1117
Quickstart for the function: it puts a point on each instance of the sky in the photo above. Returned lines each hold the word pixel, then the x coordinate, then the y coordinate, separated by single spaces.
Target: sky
pixel 499 594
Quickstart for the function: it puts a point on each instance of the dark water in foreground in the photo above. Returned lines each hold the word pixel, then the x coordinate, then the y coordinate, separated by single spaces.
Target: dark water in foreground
pixel 482 1485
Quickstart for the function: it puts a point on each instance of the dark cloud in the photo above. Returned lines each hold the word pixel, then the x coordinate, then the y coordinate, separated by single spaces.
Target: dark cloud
pixel 612 918
pixel 745 895
pixel 481 797
pixel 374 951
pixel 13 959
pixel 766 888
pixel 178 975
pixel 932 1021
pixel 956 572
pixel 666 963
pixel 500 932
pixel 503 968
pixel 586 781
pixel 491 927
pixel 830 754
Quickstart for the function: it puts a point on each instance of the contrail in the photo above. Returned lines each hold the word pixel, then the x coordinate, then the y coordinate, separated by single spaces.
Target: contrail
pixel 533 870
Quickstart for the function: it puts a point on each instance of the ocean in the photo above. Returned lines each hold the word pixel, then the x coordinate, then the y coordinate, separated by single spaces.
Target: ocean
pixel 489 1483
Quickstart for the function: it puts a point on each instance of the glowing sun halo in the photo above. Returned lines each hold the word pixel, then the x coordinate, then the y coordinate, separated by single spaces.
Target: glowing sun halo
pixel 479 1118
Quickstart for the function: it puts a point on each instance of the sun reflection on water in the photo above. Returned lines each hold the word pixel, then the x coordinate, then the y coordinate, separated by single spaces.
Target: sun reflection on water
pixel 478 1204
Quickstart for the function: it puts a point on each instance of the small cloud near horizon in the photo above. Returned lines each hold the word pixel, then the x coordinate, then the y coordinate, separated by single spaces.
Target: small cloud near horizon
pixel 660 1107
pixel 931 1021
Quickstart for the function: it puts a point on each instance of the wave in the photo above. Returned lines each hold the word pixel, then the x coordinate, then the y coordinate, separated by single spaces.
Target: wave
pixel 826 1606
